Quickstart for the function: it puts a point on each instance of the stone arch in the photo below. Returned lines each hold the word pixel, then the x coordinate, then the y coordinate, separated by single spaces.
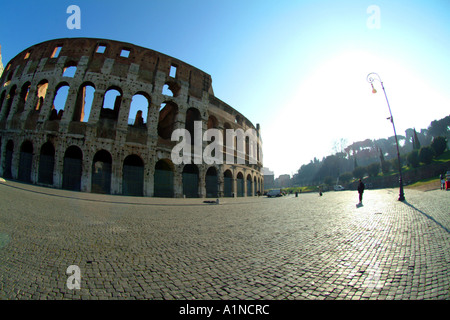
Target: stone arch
pixel 101 172
pixel 9 101
pixel 212 122
pixel 111 103
pixel 133 176
pixel 171 89
pixel 227 183
pixel 166 121
pixel 41 92
pixel 23 96
pixel 190 180
pixel 212 183
pixel 83 103
pixel 192 115
pixel 2 98
pixel 59 101
pixel 72 168
pixel 240 184
pixel 249 185
pixel 139 109
pixel 25 161
pixel 46 163
pixel 163 178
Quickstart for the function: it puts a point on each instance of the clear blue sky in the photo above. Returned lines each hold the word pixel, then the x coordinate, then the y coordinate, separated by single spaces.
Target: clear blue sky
pixel 296 67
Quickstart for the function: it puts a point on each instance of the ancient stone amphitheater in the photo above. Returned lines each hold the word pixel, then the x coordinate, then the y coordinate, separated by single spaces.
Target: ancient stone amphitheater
pixel 97 115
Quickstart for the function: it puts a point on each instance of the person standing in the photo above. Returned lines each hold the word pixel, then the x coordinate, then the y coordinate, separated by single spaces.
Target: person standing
pixel 361 188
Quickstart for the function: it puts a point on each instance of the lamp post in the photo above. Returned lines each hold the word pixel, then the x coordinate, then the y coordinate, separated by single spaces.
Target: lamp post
pixel 371 77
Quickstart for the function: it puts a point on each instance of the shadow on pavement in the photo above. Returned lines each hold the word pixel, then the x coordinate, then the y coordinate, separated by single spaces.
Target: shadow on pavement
pixel 426 215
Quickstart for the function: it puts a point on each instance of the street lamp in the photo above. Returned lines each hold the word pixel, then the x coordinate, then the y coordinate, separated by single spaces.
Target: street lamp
pixel 371 77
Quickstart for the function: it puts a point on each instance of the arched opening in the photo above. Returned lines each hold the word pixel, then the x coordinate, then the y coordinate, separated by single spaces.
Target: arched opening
pixel 167 115
pixel 41 92
pixel 249 185
pixel 255 186
pixel 212 183
pixel 227 184
pixel 212 122
pixel 190 181
pixel 73 158
pixel 7 172
pixel 192 115
pixel 25 161
pixel 59 102
pixel 163 179
pixel 171 89
pixel 238 120
pixel 226 127
pixel 46 163
pixel 133 176
pixel 137 116
pixel 111 104
pixel 101 172
pixel 83 103
pixel 2 98
pixel 166 90
pixel 23 97
pixel 240 185
pixel 9 101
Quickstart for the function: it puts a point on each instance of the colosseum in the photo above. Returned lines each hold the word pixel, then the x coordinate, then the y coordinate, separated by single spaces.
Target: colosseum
pixel 97 115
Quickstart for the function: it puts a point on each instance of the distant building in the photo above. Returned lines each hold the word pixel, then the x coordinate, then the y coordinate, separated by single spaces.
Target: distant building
pixel 269 178
pixel 283 181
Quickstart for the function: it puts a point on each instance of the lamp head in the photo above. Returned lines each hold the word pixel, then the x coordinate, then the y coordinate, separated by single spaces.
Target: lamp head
pixel 373 89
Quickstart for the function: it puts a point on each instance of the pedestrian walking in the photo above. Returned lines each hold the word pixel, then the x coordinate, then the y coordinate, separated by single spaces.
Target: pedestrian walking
pixel 361 188
pixel 442 177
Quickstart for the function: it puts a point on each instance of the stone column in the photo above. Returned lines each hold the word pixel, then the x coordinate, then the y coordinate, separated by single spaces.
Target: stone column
pixel 48 102
pixel 69 108
pixel 97 104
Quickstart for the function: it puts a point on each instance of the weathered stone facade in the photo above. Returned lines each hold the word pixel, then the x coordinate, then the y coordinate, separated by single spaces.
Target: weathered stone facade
pixel 102 150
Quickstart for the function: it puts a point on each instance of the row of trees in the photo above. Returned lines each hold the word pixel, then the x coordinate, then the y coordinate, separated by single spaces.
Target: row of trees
pixel 374 156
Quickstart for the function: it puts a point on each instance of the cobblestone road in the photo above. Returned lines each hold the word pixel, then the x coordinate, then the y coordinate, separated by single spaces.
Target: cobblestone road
pixel 308 247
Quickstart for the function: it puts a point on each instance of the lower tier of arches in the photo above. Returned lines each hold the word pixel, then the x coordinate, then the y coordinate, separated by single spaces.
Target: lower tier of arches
pixel 79 165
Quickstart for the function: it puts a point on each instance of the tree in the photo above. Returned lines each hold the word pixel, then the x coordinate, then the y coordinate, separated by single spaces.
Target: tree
pixel 345 177
pixel 359 172
pixel 328 180
pixel 385 166
pixel 373 169
pixel 416 142
pixel 394 161
pixel 440 127
pixel 426 155
pixel 439 145
pixel 413 159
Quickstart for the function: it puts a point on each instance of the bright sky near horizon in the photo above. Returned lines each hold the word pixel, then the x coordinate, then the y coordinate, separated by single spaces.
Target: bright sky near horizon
pixel 298 68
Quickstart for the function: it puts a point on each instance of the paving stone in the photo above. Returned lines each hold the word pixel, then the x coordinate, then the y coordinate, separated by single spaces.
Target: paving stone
pixel 307 247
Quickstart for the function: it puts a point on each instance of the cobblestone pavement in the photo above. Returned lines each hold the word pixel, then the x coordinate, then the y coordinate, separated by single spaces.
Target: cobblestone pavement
pixel 306 247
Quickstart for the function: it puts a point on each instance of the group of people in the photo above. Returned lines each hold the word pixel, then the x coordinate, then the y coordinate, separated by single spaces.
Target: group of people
pixel 442 178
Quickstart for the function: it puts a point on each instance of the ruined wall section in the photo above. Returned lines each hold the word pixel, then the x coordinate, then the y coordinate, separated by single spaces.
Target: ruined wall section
pixel 32 79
